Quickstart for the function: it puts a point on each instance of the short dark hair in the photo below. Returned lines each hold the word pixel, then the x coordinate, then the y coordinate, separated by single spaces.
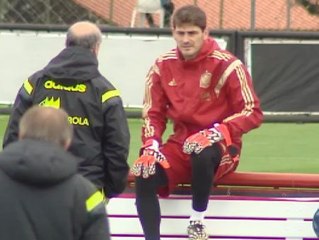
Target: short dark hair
pixel 189 14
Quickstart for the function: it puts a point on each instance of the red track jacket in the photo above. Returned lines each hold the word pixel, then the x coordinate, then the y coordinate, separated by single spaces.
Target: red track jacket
pixel 215 87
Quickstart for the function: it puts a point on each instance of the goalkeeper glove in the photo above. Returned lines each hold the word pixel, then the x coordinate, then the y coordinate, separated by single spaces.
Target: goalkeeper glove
pixel 145 165
pixel 204 138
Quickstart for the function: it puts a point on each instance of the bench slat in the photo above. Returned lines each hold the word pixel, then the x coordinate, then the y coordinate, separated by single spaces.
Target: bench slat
pixel 288 218
pixel 272 208
pixel 175 238
pixel 220 228
pixel 242 217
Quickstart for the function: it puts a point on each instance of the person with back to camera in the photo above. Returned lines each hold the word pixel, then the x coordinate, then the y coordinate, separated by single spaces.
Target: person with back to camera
pixel 315 223
pixel 168 7
pixel 208 95
pixel 41 194
pixel 72 81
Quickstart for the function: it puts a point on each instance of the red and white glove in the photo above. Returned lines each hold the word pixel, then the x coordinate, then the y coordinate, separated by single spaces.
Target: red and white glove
pixel 145 165
pixel 204 138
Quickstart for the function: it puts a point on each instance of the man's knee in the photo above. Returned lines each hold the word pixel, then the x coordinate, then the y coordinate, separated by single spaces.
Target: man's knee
pixel 153 182
pixel 209 154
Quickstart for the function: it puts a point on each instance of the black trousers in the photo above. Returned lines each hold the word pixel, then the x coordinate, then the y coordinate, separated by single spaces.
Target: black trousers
pixel 204 166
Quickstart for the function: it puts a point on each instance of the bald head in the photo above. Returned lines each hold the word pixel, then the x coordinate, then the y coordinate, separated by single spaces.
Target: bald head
pixel 47 124
pixel 84 34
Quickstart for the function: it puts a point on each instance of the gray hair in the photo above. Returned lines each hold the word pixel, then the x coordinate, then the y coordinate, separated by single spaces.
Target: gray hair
pixel 47 124
pixel 83 34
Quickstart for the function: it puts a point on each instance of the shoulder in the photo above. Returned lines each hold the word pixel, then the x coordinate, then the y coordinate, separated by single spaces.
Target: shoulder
pixel 168 56
pixel 102 83
pixel 225 60
pixel 164 60
pixel 31 83
pixel 88 199
pixel 34 78
pixel 106 90
pixel 36 75
pixel 222 55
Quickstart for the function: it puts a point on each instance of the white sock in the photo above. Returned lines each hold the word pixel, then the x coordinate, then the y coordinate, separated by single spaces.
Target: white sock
pixel 197 216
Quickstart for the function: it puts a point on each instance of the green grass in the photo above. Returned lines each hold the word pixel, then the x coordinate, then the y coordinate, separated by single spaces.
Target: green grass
pixel 274 147
pixel 135 130
pixel 281 147
pixel 3 125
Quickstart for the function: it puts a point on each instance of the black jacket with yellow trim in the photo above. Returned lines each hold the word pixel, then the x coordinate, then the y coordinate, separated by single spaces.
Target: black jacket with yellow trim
pixel 72 81
pixel 43 197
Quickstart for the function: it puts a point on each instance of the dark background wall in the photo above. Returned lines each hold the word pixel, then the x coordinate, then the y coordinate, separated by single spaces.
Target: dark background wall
pixel 286 76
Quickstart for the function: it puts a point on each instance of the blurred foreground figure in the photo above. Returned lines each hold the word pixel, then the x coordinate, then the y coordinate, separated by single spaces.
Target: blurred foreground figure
pixel 72 81
pixel 41 195
pixel 208 95
pixel 315 223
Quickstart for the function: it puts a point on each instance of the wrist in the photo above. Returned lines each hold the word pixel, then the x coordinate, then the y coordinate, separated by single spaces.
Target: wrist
pixel 151 143
pixel 223 129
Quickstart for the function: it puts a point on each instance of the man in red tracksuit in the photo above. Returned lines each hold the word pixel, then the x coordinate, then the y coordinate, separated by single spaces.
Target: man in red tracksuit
pixel 208 95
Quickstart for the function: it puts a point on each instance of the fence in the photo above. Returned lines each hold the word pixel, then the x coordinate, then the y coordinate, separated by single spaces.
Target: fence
pixel 248 15
pixel 286 85
pixel 45 12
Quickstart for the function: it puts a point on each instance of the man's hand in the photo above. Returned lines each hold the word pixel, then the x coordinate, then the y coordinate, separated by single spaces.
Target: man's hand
pixel 145 165
pixel 205 138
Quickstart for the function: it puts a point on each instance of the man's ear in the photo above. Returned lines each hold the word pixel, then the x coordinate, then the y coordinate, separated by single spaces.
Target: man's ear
pixel 96 49
pixel 20 136
pixel 67 144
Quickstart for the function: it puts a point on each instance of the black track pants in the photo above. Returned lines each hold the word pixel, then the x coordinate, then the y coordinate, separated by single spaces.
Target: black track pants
pixel 147 203
pixel 204 166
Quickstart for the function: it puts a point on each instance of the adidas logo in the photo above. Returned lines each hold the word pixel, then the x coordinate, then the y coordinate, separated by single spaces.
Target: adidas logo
pixel 172 83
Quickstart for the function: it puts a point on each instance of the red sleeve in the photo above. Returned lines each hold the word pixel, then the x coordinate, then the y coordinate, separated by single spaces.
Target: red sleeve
pixel 154 106
pixel 244 102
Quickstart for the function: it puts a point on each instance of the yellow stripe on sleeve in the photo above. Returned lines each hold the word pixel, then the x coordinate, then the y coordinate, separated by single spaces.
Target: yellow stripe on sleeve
pixel 109 94
pixel 94 200
pixel 27 86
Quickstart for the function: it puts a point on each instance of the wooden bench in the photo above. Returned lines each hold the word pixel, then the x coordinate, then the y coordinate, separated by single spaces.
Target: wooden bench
pixel 244 205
